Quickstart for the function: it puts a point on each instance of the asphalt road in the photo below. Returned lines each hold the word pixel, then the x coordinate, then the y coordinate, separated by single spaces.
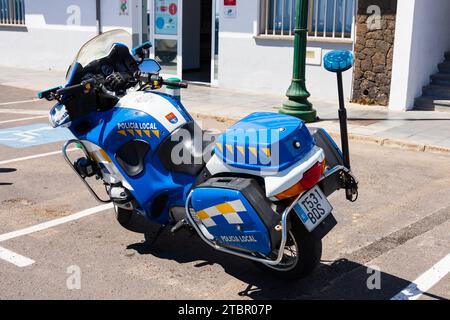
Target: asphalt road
pixel 400 226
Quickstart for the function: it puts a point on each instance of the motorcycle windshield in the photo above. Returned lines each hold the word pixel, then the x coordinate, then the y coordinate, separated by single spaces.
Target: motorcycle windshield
pixel 99 47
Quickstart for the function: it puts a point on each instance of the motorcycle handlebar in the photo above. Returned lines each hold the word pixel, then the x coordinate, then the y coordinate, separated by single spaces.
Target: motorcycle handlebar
pixel 86 86
pixel 177 84
pixel 150 78
pixel 70 89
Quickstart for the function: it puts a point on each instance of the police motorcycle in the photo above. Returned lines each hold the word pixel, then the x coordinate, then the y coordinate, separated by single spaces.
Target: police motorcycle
pixel 258 191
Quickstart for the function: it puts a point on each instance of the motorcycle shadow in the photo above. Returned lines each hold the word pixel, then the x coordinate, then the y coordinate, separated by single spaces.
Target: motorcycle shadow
pixel 7 170
pixel 339 279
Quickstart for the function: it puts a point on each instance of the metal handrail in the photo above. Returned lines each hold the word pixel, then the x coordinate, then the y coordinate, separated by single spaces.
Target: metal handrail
pixel 329 11
pixel 12 12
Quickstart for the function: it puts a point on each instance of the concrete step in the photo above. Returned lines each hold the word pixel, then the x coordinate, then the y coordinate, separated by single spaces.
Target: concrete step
pixel 444 67
pixel 427 103
pixel 440 92
pixel 441 79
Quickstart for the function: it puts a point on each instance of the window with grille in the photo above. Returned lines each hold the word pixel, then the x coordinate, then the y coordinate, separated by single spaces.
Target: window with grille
pixel 326 18
pixel 12 12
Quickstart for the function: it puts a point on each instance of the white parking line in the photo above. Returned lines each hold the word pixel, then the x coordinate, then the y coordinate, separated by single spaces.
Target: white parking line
pixel 426 281
pixel 36 156
pixel 18 102
pixel 30 157
pixel 15 258
pixel 22 119
pixel 55 222
pixel 25 111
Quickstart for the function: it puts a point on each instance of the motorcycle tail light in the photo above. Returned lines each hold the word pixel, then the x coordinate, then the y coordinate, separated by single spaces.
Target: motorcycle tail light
pixel 309 180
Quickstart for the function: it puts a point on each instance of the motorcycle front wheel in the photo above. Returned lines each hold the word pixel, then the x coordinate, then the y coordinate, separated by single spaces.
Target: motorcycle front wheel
pixel 133 221
pixel 302 255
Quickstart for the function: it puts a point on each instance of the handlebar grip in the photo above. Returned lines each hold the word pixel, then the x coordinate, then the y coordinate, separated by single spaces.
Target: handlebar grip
pixel 177 84
pixel 84 85
pixel 70 89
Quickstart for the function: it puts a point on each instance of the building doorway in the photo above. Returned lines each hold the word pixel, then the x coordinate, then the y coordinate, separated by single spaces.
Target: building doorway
pixel 185 38
pixel 197 40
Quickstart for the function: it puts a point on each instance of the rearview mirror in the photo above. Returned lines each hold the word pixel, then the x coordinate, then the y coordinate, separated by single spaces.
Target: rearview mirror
pixel 149 66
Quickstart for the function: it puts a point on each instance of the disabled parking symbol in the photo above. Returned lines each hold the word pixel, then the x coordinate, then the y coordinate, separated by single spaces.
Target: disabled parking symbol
pixel 33 135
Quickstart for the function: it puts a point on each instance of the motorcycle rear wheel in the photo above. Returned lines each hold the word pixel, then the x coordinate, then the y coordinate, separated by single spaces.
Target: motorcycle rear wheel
pixel 302 255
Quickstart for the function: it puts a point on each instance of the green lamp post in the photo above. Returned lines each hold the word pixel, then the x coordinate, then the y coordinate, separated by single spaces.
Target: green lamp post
pixel 297 104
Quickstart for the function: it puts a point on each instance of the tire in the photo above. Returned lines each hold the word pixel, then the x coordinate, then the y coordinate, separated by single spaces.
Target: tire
pixel 133 222
pixel 308 258
pixel 123 216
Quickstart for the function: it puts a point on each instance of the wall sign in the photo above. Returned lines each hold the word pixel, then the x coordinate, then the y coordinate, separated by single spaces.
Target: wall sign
pixel 229 9
pixel 166 17
pixel 123 8
pixel 314 56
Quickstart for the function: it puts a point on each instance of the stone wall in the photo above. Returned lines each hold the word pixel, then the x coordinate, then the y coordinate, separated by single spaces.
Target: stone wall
pixel 374 50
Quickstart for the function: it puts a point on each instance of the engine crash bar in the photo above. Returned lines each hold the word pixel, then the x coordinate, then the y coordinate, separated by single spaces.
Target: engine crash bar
pixel 66 157
pixel 331 176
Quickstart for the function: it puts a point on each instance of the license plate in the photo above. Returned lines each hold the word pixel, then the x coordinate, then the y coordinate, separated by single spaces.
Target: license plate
pixel 312 208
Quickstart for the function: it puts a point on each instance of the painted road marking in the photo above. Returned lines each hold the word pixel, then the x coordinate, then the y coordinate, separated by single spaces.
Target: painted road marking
pixel 36 156
pixel 41 155
pixel 22 119
pixel 30 157
pixel 24 111
pixel 18 102
pixel 15 258
pixel 33 135
pixel 426 281
pixel 55 222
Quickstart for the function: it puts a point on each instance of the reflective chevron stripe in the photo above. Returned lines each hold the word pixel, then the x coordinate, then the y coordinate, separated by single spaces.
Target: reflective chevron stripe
pixel 139 133
pixel 263 151
pixel 228 210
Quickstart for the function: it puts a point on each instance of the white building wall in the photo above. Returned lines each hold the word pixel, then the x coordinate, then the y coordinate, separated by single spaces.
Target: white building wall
pixel 50 40
pixel 421 39
pixel 247 62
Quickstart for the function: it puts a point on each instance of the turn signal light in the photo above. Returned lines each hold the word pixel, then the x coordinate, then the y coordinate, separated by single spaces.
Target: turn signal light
pixel 309 180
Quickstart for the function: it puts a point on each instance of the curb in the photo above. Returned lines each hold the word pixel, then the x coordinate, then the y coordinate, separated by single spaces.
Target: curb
pixel 384 142
pixel 395 143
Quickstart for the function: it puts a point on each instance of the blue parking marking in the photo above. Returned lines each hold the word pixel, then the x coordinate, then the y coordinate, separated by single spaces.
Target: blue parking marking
pixel 33 135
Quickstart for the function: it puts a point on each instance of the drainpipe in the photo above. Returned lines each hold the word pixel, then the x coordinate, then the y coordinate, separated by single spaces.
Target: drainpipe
pixel 98 16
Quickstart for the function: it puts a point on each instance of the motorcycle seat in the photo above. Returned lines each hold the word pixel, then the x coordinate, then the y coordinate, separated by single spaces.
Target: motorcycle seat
pixel 195 154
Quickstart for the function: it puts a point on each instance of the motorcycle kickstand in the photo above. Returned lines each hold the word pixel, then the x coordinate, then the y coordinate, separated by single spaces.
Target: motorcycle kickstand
pixel 150 242
pixel 179 225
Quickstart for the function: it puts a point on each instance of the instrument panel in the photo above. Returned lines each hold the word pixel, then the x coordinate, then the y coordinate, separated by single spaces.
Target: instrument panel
pixel 107 69
pixel 119 60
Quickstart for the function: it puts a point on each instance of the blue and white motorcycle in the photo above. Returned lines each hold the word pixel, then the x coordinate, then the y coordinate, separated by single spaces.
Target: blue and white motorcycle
pixel 258 191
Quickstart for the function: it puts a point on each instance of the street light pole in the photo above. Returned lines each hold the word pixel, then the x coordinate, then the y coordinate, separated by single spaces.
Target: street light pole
pixel 297 104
